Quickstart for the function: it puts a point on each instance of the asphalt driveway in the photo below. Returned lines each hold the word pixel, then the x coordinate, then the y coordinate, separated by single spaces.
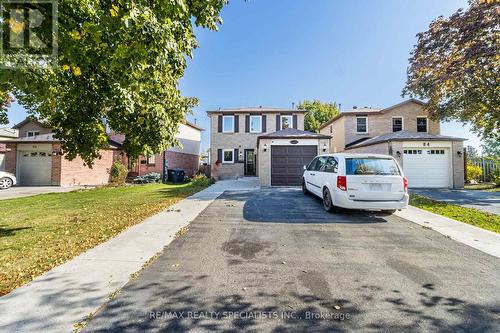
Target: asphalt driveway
pixel 273 260
pixel 482 200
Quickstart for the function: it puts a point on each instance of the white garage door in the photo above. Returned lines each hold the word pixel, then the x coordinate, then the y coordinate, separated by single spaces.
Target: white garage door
pixel 2 162
pixel 34 167
pixel 428 167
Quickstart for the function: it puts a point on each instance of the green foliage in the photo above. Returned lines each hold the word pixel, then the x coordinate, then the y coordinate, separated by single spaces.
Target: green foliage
pixel 455 66
pixel 472 153
pixel 318 114
pixel 202 180
pixel 118 173
pixel 152 177
pixel 491 148
pixel 120 61
pixel 495 176
pixel 474 172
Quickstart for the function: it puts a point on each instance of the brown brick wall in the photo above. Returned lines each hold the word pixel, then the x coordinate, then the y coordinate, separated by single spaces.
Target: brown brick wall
pixel 56 165
pixel 75 173
pixel 11 158
pixel 188 162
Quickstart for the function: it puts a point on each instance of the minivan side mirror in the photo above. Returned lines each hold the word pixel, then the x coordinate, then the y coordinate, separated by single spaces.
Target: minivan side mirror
pixel 304 167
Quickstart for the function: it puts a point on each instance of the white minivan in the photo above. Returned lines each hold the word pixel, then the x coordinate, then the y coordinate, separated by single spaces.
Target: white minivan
pixel 357 181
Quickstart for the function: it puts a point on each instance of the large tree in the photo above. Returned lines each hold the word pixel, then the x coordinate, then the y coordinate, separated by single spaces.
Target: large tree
pixel 318 114
pixel 455 66
pixel 118 61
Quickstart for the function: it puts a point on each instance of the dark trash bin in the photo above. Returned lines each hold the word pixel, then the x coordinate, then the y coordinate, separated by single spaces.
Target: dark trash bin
pixel 176 176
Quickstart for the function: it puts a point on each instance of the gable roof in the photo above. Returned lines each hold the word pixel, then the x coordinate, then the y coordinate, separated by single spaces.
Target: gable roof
pixel 364 111
pixel 404 136
pixel 256 110
pixel 29 120
pixel 190 124
pixel 8 132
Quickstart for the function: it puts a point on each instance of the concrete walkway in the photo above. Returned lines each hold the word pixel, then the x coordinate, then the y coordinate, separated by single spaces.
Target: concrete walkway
pixel 482 200
pixel 65 295
pixel 483 240
pixel 28 191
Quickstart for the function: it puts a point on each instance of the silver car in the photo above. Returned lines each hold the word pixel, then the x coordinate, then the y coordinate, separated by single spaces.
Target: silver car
pixel 6 180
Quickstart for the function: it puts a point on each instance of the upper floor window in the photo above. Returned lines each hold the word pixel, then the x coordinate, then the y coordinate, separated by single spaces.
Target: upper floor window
pixel 397 124
pixel 286 122
pixel 228 124
pixel 421 124
pixel 361 124
pixel 32 133
pixel 255 124
pixel 151 160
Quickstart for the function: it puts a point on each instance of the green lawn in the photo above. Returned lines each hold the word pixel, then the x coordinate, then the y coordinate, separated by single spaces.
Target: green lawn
pixel 40 232
pixel 467 215
pixel 490 187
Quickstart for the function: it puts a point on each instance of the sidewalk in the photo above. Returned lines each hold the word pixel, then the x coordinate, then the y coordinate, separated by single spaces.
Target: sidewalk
pixel 65 295
pixel 480 239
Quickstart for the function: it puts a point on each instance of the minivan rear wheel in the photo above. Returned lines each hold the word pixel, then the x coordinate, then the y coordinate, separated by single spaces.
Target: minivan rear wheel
pixel 327 201
pixel 5 183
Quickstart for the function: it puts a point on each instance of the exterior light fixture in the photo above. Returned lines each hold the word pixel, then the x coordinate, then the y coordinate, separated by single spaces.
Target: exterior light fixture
pixel 398 153
pixel 324 147
pixel 265 146
pixel 459 153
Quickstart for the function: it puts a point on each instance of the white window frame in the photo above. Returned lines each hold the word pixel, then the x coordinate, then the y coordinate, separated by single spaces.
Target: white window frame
pixel 289 117
pixel 33 133
pixel 426 124
pixel 223 156
pixel 223 123
pixel 151 160
pixel 260 122
pixel 402 123
pixel 366 119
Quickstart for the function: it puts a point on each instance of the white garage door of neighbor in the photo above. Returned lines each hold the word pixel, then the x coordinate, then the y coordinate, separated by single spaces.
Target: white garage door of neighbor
pixel 428 167
pixel 35 167
pixel 2 162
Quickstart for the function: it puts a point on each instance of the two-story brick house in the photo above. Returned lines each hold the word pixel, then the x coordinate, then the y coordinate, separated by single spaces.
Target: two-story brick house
pixel 266 142
pixel 35 156
pixel 406 132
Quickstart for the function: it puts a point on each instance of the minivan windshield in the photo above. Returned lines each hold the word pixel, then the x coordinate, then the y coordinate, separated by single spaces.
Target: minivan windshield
pixel 371 166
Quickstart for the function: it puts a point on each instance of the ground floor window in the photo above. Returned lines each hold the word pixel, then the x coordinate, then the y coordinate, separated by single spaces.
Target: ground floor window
pixel 227 156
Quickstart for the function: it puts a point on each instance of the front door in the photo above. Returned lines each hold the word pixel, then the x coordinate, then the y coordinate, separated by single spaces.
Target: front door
pixel 249 162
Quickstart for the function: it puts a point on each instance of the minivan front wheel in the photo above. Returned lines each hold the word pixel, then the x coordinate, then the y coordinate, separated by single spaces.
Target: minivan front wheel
pixel 327 201
pixel 5 183
pixel 304 187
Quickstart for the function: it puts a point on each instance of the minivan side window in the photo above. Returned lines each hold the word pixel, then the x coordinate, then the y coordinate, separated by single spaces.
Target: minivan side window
pixel 310 166
pixel 331 165
pixel 320 163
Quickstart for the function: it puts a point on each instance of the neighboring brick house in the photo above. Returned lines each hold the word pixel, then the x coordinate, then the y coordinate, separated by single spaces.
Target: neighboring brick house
pixel 266 142
pixel 36 158
pixel 406 132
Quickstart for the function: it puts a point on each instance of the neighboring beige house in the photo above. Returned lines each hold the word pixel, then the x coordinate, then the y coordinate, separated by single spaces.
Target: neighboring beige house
pixel 406 132
pixel 266 142
pixel 6 134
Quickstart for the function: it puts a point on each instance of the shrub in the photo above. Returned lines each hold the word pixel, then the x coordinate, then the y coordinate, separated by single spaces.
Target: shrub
pixel 202 180
pixel 118 173
pixel 152 177
pixel 495 176
pixel 474 172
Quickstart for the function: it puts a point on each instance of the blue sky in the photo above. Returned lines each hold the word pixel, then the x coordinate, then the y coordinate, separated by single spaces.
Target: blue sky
pixel 275 52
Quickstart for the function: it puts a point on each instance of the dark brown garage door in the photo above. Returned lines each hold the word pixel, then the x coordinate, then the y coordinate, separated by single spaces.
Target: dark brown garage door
pixel 287 163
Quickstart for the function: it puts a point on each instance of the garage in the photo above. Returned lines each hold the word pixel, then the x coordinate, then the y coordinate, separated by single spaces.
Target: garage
pixel 34 165
pixel 287 163
pixel 427 167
